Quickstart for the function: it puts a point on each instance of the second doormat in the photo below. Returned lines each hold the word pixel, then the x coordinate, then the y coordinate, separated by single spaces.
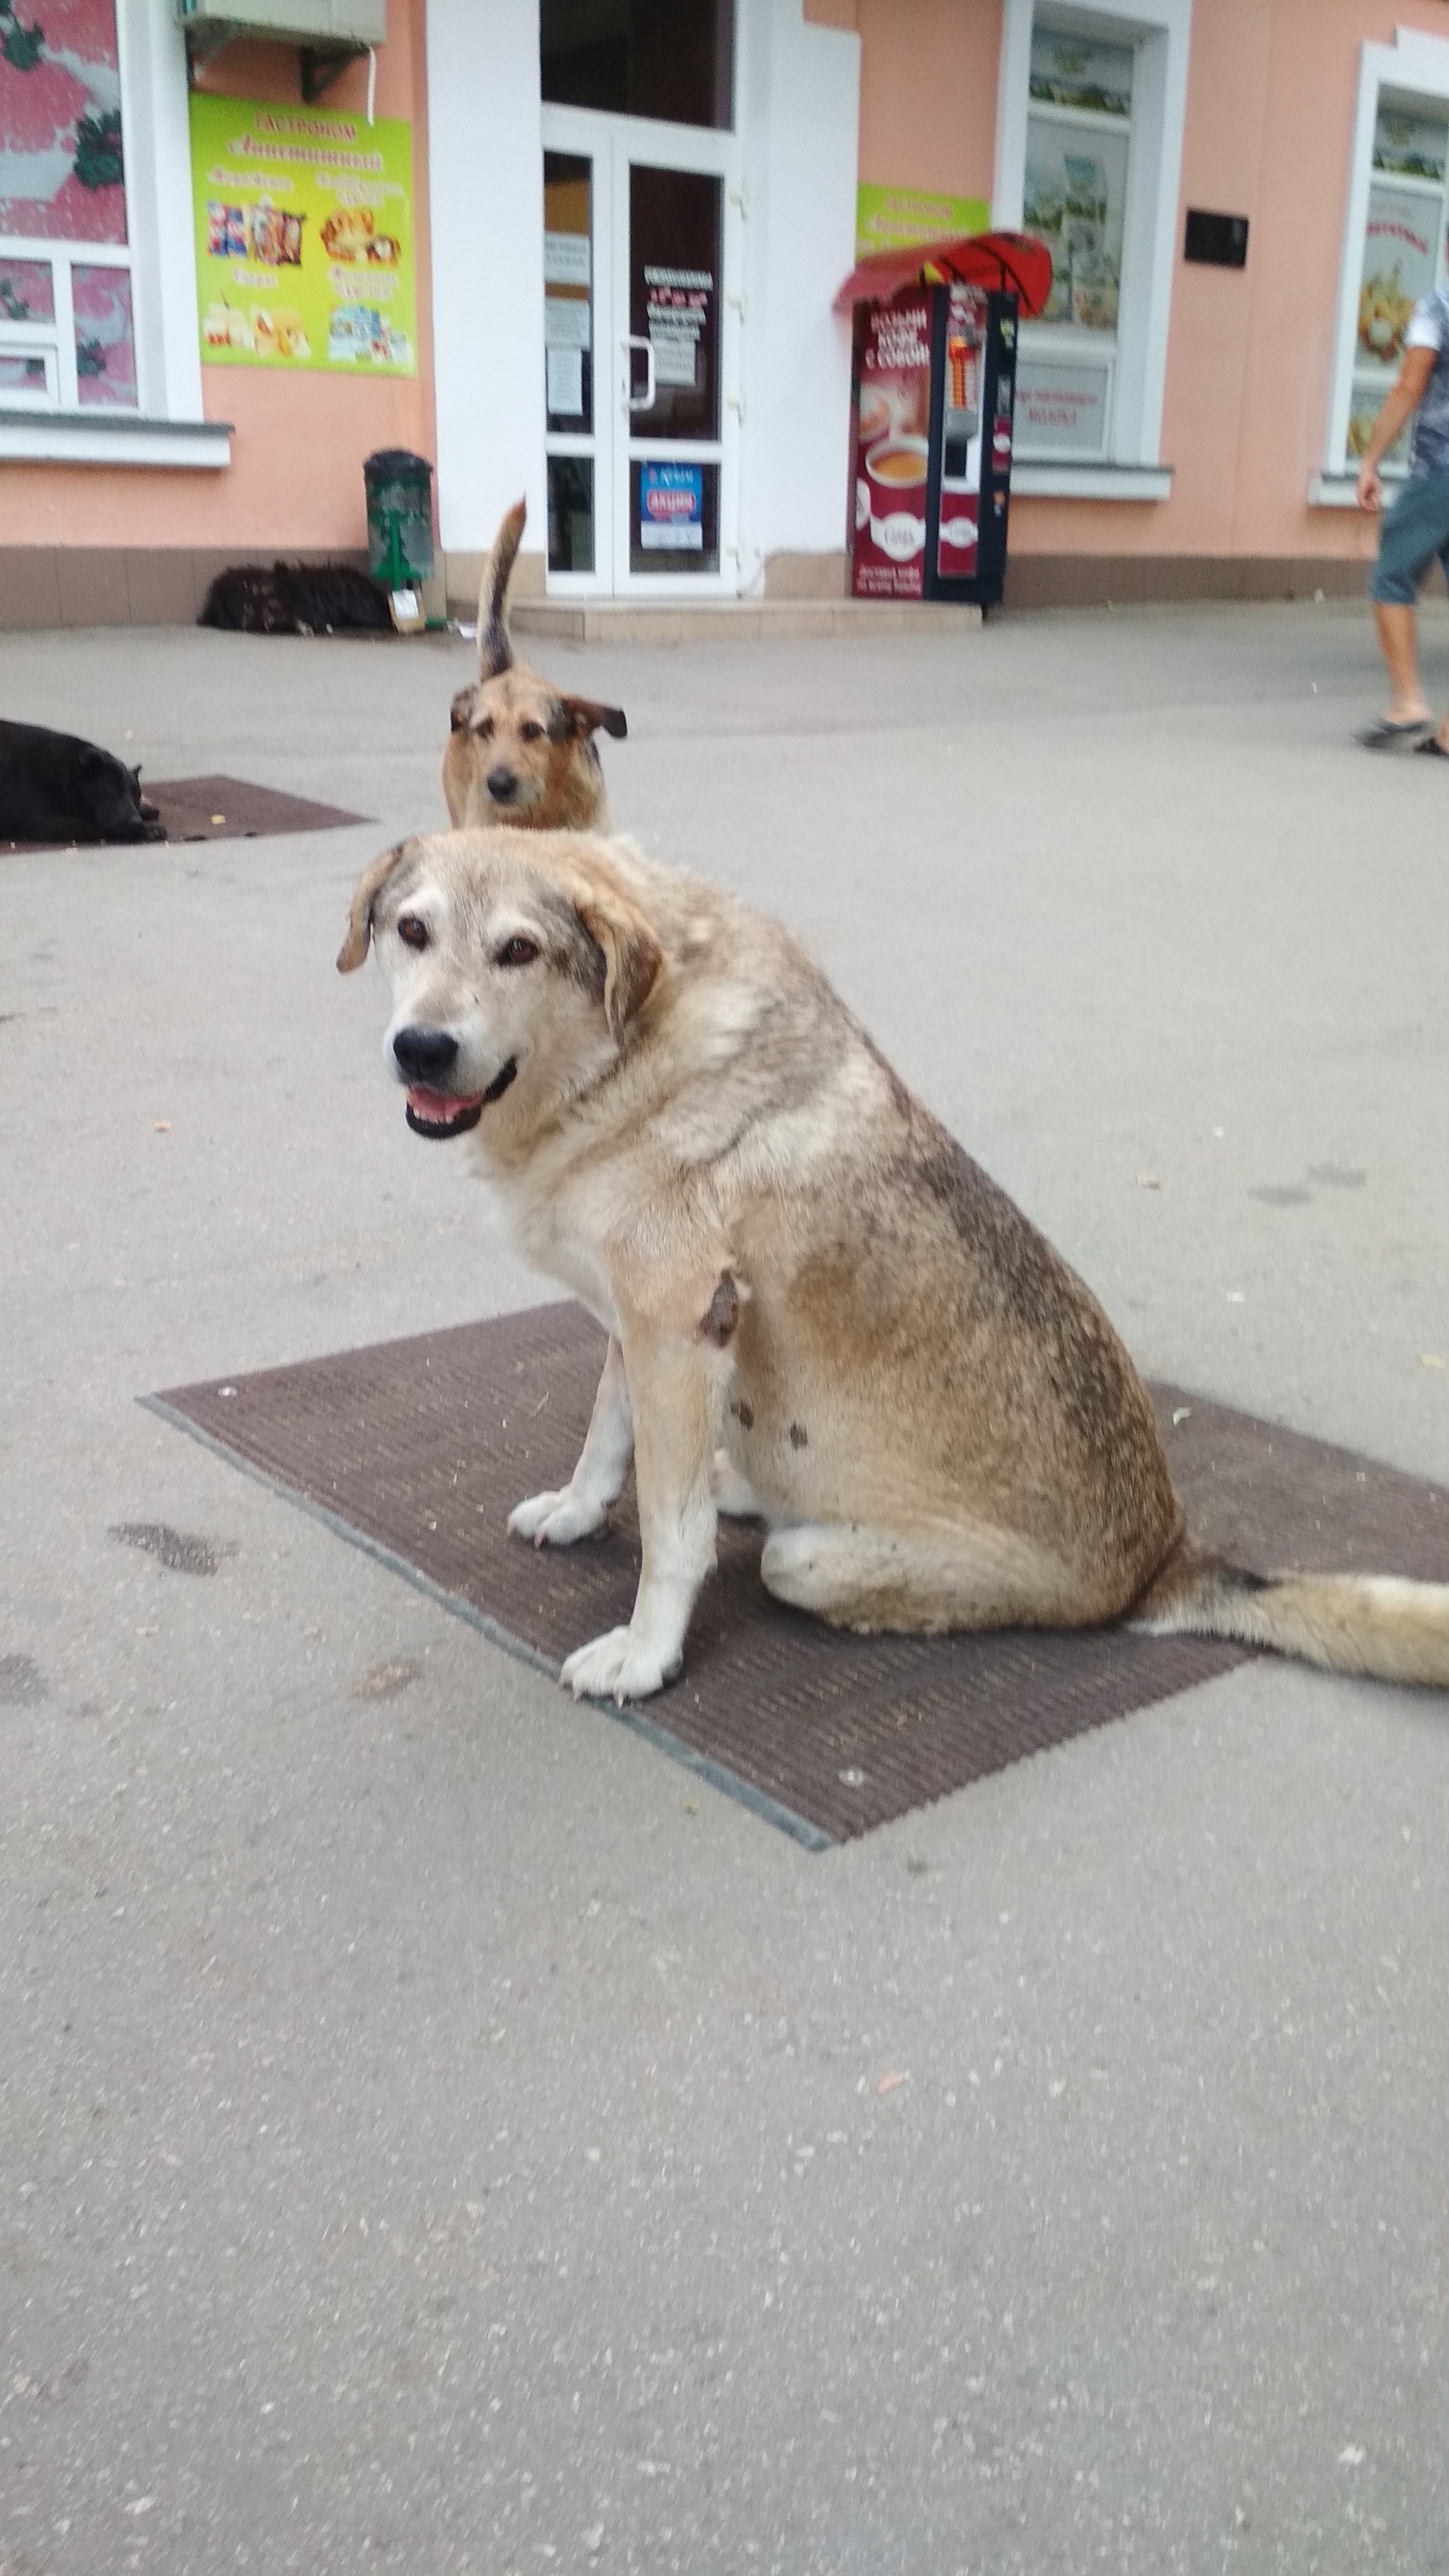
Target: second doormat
pixel 419 1449
pixel 216 809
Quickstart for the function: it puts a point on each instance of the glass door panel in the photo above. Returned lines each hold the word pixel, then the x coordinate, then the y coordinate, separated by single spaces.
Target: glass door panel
pixel 670 59
pixel 571 338
pixel 674 396
pixel 673 516
pixel 568 290
pixel 674 228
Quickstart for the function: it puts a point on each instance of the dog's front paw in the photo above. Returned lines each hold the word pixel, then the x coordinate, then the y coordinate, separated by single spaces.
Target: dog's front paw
pixel 617 1667
pixel 556 1520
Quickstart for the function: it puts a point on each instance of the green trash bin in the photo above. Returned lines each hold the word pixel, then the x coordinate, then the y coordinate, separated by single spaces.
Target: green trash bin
pixel 399 490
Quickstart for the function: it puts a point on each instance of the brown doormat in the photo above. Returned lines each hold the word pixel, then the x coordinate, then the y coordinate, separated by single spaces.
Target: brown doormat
pixel 231 809
pixel 417 1450
pixel 217 809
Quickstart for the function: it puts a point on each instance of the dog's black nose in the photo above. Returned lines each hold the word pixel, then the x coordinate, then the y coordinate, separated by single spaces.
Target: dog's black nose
pixel 502 785
pixel 424 1054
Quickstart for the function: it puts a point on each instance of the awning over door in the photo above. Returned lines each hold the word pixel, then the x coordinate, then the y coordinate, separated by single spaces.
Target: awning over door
pixel 1010 261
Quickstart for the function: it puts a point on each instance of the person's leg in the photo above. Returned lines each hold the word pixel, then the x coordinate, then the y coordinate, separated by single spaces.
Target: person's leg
pixel 1415 529
pixel 1396 627
pixel 1442 736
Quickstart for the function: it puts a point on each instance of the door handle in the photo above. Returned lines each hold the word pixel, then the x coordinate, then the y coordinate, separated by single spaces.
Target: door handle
pixel 644 401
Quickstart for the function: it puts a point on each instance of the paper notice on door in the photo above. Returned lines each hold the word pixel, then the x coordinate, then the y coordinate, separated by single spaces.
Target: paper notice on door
pixel 565 383
pixel 566 322
pixel 566 259
pixel 675 354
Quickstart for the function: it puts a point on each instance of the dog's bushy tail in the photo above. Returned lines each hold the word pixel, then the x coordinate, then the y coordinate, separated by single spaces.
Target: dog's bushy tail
pixel 1379 1625
pixel 495 652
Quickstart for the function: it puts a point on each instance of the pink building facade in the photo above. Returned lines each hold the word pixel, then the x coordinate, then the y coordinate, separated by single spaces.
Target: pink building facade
pixel 589 249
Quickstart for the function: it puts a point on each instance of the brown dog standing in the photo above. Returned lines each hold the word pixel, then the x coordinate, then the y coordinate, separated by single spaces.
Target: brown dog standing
pixel 520 750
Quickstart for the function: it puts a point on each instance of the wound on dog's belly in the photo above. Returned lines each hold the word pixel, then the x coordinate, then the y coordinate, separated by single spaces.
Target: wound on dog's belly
pixel 722 1313
pixel 799 1436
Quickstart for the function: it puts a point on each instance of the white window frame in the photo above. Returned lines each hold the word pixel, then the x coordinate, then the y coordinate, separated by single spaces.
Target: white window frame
pixel 1414 66
pixel 56 338
pixel 1159 32
pixel 22 340
pixel 166 426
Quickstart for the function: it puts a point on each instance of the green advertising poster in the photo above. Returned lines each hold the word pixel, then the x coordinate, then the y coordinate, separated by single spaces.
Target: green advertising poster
pixel 304 238
pixel 898 218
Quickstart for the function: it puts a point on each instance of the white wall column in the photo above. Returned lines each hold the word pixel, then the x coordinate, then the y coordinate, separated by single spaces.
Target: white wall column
pixel 485 160
pixel 158 159
pixel 797 103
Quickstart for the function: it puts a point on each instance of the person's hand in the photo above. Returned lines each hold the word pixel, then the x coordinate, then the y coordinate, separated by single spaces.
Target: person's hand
pixel 1369 489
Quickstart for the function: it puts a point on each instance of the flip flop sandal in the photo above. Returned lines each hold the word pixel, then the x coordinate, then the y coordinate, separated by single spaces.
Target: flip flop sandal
pixel 1433 747
pixel 1382 736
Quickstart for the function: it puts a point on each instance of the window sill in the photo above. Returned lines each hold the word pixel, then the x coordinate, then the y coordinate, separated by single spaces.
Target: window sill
pixel 1340 491
pixel 111 438
pixel 1063 482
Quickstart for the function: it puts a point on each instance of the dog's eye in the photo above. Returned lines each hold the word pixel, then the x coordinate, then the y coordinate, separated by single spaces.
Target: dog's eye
pixel 530 732
pixel 411 931
pixel 517 952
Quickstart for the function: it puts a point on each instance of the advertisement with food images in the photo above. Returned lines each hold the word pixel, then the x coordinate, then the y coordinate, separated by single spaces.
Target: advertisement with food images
pixel 1400 254
pixel 304 238
pixel 891 451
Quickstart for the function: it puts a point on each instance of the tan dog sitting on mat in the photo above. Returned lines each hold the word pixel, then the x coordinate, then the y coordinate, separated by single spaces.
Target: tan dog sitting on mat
pixel 520 750
pixel 819 1308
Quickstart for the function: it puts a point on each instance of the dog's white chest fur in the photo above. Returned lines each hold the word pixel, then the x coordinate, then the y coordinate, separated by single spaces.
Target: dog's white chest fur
pixel 546 1235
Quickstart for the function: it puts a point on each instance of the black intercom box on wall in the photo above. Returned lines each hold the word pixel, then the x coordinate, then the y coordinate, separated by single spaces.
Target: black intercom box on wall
pixel 1219 241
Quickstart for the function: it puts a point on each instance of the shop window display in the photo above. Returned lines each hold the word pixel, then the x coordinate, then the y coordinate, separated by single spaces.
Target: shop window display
pixel 1078 155
pixel 67 336
pixel 1403 255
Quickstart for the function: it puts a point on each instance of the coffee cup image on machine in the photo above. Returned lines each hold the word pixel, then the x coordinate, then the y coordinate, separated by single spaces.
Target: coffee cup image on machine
pixel 891 499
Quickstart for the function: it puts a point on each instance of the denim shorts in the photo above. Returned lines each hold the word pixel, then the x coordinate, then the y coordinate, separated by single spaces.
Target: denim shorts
pixel 1415 528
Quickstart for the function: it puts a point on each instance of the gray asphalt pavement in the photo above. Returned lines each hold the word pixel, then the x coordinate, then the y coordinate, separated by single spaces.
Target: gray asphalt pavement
pixel 436 2131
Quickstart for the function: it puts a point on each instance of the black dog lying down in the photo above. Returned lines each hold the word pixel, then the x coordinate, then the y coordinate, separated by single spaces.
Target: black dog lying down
pixel 296 599
pixel 55 787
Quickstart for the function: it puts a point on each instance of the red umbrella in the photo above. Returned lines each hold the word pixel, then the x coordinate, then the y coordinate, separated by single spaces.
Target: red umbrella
pixel 1014 261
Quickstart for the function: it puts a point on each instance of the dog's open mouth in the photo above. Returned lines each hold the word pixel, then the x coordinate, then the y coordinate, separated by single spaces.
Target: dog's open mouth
pixel 444 1113
pixel 434 1113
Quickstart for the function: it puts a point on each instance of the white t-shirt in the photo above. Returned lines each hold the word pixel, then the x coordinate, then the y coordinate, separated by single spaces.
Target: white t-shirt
pixel 1429 329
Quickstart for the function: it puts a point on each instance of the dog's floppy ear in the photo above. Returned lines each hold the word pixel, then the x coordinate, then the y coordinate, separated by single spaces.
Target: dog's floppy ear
pixel 632 955
pixel 355 946
pixel 585 715
pixel 461 709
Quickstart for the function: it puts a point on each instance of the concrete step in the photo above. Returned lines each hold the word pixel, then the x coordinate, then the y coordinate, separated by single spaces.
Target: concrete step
pixel 634 621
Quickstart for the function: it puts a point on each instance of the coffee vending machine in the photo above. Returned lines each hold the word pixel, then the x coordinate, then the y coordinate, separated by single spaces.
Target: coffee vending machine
pixel 930 480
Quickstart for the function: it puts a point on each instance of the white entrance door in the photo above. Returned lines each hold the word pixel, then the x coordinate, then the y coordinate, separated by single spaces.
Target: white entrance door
pixel 642 356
